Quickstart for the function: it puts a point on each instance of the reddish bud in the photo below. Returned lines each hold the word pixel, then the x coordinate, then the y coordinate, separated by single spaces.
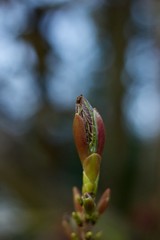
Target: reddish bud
pixel 80 137
pixel 67 227
pixel 88 129
pixel 77 200
pixel 104 201
pixel 100 132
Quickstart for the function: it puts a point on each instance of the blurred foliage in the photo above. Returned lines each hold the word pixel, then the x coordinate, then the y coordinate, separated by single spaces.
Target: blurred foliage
pixel 52 51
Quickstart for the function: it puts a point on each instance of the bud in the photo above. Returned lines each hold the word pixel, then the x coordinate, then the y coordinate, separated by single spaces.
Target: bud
pixel 74 236
pixel 89 203
pixel 89 235
pixel 67 227
pixel 89 135
pixel 104 201
pixel 88 128
pixel 78 218
pixel 77 200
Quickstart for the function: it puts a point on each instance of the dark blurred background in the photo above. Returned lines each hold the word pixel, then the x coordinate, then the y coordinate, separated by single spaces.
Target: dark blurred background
pixel 51 51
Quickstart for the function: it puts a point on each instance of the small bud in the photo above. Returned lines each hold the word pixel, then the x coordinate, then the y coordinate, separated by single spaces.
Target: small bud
pixel 74 236
pixel 89 235
pixel 77 217
pixel 67 227
pixel 104 201
pixel 77 200
pixel 89 203
pixel 91 218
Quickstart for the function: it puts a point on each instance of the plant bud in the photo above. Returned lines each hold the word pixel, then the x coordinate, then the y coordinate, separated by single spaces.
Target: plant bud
pixel 89 203
pixel 77 200
pixel 77 217
pixel 74 236
pixel 89 135
pixel 104 201
pixel 67 227
pixel 89 235
pixel 88 129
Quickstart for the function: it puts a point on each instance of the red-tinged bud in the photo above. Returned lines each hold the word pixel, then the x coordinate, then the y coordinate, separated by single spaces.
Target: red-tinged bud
pixel 88 128
pixel 80 137
pixel 104 201
pixel 67 227
pixel 77 200
pixel 89 135
pixel 100 132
